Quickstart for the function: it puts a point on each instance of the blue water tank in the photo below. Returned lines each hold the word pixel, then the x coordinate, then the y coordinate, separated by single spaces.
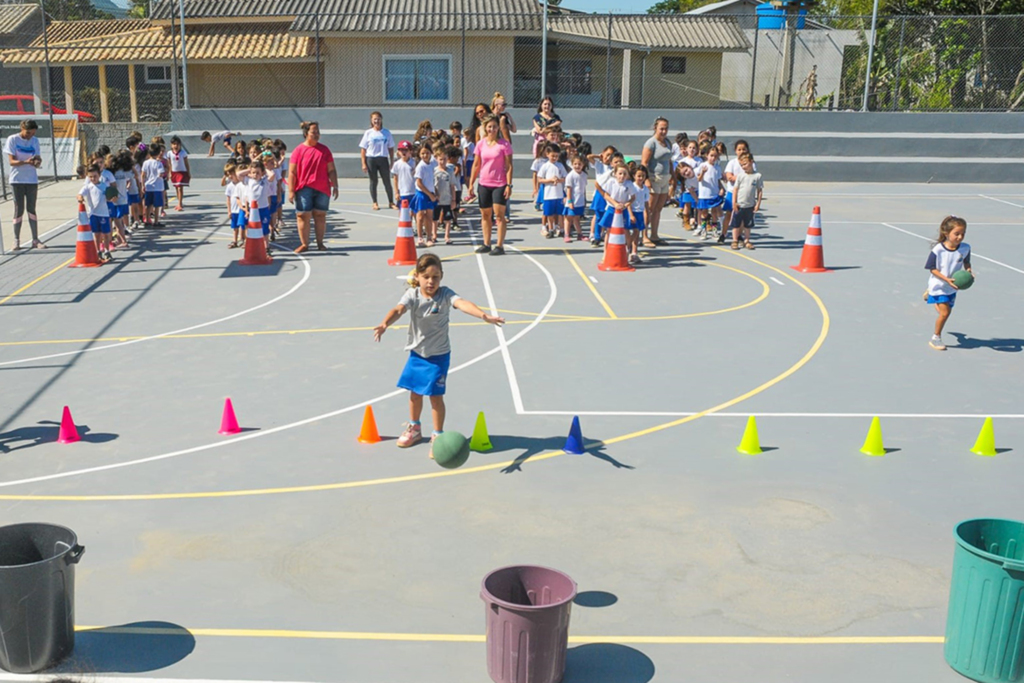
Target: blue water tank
pixel 769 17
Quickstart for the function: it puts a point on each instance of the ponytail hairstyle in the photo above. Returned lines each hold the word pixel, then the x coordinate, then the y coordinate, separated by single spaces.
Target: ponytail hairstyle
pixel 421 130
pixel 422 263
pixel 947 225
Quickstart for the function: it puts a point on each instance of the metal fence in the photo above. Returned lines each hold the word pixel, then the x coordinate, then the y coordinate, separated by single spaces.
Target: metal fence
pixel 919 63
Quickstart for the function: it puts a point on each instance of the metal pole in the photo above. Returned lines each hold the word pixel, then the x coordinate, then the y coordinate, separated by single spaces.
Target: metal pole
pixel 319 90
pixel 462 72
pixel 753 66
pixel 608 67
pixel 49 89
pixel 184 59
pixel 899 63
pixel 174 65
pixel 871 54
pixel 544 54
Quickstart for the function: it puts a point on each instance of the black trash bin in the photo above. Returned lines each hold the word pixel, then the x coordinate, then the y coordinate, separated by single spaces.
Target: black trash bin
pixel 37 595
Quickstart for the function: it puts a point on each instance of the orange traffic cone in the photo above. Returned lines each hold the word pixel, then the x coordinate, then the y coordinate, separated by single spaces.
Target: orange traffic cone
pixel 68 431
pixel 812 259
pixel 368 434
pixel 615 257
pixel 255 247
pixel 86 255
pixel 405 245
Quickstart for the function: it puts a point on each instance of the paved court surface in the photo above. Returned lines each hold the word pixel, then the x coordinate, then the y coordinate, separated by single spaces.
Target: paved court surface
pixel 292 553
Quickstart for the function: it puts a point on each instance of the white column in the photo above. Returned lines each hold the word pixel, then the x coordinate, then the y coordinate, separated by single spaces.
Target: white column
pixel 627 61
pixel 37 90
pixel 132 93
pixel 69 90
pixel 104 95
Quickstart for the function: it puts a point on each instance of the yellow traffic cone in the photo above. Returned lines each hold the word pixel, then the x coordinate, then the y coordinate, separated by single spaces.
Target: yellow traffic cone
pixel 480 441
pixel 873 444
pixel 750 445
pixel 986 443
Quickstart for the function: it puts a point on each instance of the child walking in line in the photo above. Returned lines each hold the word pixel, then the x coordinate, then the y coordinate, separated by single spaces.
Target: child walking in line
pixel 746 199
pixel 603 172
pixel 235 215
pixel 426 372
pixel 402 171
pixel 949 255
pixel 135 190
pixel 538 196
pixel 575 198
pixel 638 213
pixel 273 189
pixel 93 196
pixel 709 193
pixel 551 176
pixel 444 191
pixel 686 174
pixel 732 169
pixel 257 190
pixel 425 199
pixel 153 174
pixel 454 165
pixel 618 193
pixel 121 164
pixel 181 172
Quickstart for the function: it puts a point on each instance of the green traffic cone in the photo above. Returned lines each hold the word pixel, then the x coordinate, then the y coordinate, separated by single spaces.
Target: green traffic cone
pixel 750 445
pixel 986 443
pixel 480 441
pixel 873 444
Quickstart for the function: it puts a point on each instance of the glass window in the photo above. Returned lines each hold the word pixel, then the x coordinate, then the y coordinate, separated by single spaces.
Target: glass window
pixel 409 79
pixel 673 65
pixel 158 74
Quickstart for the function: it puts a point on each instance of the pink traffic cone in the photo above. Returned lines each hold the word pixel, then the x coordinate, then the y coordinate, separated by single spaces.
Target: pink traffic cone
pixel 68 431
pixel 228 422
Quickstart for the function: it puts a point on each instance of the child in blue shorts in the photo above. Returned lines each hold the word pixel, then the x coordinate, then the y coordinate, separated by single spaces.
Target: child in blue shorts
pixel 551 178
pixel 575 198
pixel 93 196
pixel 638 213
pixel 426 372
pixel 949 255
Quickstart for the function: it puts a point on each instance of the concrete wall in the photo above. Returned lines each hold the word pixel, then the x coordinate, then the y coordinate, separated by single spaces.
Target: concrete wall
pixel 811 48
pixel 113 135
pixel 698 87
pixel 354 67
pixel 272 84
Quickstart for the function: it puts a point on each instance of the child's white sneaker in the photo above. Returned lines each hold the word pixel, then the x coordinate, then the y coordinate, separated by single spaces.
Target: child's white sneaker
pixel 936 343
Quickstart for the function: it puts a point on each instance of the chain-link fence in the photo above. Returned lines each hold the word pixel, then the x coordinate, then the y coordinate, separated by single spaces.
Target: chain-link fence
pixel 138 70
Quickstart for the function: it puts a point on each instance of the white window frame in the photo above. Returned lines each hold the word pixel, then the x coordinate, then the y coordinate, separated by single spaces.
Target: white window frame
pixel 384 77
pixel 157 81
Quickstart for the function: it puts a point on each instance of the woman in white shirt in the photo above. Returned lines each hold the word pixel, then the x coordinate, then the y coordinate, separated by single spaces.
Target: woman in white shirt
pixel 377 150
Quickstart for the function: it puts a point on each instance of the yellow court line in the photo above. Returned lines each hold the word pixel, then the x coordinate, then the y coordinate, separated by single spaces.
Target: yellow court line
pixel 37 280
pixel 590 285
pixel 479 638
pixel 822 334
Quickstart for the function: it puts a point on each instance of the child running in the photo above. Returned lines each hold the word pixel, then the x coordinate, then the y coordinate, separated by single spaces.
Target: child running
pixel 426 372
pixel 949 255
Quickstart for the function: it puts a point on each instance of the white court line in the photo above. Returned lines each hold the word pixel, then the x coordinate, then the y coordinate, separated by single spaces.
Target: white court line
pixel 593 279
pixel 775 279
pixel 256 435
pixel 639 413
pixel 973 253
pixel 295 288
pixel 1001 201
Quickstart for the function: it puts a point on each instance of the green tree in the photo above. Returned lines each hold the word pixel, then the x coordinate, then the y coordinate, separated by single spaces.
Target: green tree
pixel 73 10
pixel 139 9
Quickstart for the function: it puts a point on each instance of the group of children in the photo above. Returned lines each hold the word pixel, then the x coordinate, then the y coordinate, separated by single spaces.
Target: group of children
pixel 254 180
pixel 126 190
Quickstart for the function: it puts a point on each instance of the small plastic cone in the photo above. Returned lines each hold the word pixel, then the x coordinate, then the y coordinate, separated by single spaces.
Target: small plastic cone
pixel 68 431
pixel 615 256
pixel 405 245
pixel 368 434
pixel 873 443
pixel 86 255
pixel 751 444
pixel 574 443
pixel 228 421
pixel 255 253
pixel 812 258
pixel 986 443
pixel 480 441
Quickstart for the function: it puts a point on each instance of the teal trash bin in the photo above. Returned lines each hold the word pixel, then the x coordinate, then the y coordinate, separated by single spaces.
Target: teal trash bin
pixel 985 622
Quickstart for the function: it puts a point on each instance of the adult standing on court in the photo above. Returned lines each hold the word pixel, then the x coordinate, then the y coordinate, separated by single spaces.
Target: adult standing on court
pixel 493 168
pixel 311 176
pixel 505 122
pixel 23 154
pixel 544 117
pixel 475 131
pixel 377 149
pixel 657 157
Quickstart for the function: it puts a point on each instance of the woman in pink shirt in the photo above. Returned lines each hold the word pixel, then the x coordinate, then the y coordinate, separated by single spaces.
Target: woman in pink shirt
pixel 311 176
pixel 493 168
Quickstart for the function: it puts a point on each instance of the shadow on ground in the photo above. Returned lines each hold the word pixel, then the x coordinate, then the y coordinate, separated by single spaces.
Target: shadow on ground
pixel 607 663
pixel 531 446
pixel 129 648
pixel 46 432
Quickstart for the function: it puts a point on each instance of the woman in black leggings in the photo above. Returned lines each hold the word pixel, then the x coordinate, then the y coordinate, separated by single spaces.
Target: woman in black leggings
pixel 377 149
pixel 22 150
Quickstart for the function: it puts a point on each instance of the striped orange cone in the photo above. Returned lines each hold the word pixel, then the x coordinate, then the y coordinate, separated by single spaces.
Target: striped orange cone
pixel 812 259
pixel 405 245
pixel 86 255
pixel 255 248
pixel 615 257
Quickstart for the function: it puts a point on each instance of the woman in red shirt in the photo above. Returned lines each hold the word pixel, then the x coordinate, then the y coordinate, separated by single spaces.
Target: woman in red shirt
pixel 311 176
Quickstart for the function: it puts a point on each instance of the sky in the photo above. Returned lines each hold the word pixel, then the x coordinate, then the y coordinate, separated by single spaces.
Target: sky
pixel 618 6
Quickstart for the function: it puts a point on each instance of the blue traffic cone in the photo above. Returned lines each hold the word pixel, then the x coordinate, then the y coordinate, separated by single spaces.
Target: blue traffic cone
pixel 574 444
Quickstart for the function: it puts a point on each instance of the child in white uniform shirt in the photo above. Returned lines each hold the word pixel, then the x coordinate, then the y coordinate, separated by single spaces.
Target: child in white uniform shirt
pixel 93 196
pixel 947 257
pixel 402 170
pixel 575 198
pixel 181 172
pixel 551 175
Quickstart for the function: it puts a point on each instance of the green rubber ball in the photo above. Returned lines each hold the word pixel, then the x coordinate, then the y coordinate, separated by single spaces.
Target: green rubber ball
pixel 963 279
pixel 451 450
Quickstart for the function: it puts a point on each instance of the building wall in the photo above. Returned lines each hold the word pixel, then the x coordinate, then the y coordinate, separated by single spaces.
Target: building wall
pixel 354 67
pixel 268 84
pixel 697 88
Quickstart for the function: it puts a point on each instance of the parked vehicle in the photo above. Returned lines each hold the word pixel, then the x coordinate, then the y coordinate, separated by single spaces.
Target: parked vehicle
pixel 23 105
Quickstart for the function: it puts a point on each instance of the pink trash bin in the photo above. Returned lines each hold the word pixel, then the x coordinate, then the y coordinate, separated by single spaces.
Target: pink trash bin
pixel 527 623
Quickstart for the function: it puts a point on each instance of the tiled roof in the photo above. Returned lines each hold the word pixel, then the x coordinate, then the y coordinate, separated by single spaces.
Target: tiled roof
pixel 66 31
pixel 378 16
pixel 152 43
pixel 680 32
pixel 13 16
pixel 495 13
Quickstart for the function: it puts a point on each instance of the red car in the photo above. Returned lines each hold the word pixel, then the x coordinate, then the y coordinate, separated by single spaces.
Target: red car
pixel 22 105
